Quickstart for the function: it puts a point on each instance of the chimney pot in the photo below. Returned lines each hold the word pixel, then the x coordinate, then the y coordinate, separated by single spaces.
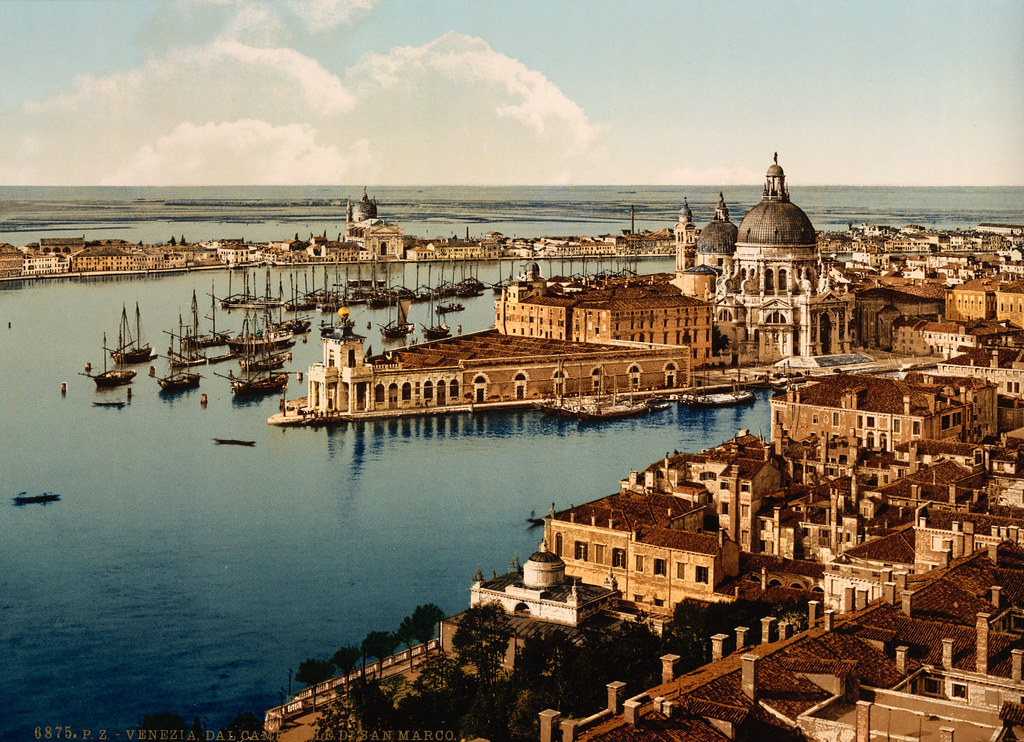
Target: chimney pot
pixel 907 602
pixel 616 690
pixel 549 719
pixel 766 629
pixel 1017 660
pixel 718 646
pixel 812 613
pixel 996 590
pixel 669 662
pixel 981 650
pixel 889 593
pixel 830 619
pixel 741 637
pixel 901 659
pixel 750 675
pixel 947 654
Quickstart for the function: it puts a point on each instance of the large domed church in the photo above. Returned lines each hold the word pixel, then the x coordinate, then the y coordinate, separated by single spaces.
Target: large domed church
pixel 773 299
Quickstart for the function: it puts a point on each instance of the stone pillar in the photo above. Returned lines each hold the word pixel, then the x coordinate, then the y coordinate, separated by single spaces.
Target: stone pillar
pixel 901 659
pixel 718 646
pixel 947 654
pixel 549 720
pixel 1016 657
pixel 996 590
pixel 766 629
pixel 947 734
pixel 812 613
pixel 981 650
pixel 864 721
pixel 785 630
pixel 741 637
pixel 749 680
pixel 830 619
pixel 616 690
pixel 669 662
pixel 889 593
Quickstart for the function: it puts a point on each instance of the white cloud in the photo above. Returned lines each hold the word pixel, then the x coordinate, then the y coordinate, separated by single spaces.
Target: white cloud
pixel 239 153
pixel 324 15
pixel 451 111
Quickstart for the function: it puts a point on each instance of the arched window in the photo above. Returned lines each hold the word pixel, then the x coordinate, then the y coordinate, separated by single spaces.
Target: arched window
pixel 392 394
pixel 378 394
pixel 406 391
pixel 520 386
pixel 558 544
pixel 634 377
pixel 559 382
pixel 670 375
pixel 480 388
pixel 769 282
pixel 595 379
pixel 453 390
pixel 428 390
pixel 783 283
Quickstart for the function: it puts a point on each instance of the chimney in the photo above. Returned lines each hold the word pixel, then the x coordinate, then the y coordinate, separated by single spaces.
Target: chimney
pixel 901 581
pixel 993 554
pixel 718 646
pixel 968 537
pixel 864 721
pixel 901 659
pixel 915 491
pixel 981 652
pixel 889 593
pixel 741 637
pixel 906 411
pixel 785 630
pixel 908 602
pixel 952 493
pixel 996 589
pixel 947 734
pixel 812 613
pixel 631 711
pixel 830 619
pixel 750 675
pixel 764 578
pixel 947 654
pixel 766 629
pixel 669 662
pixel 569 729
pixel 549 719
pixel 616 690
pixel 1017 659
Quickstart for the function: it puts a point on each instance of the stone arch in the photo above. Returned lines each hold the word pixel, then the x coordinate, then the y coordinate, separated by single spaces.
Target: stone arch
pixel 670 375
pixel 428 390
pixel 392 394
pixel 378 394
pixel 453 390
pixel 406 392
pixel 769 281
pixel 480 388
pixel 596 376
pixel 521 609
pixel 783 281
pixel 520 385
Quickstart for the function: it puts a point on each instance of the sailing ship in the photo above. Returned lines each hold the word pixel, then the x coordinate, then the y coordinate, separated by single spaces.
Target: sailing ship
pixel 440 330
pixel 717 399
pixel 130 349
pixel 113 377
pixel 187 354
pixel 255 381
pixel 401 326
pixel 211 339
pixel 179 382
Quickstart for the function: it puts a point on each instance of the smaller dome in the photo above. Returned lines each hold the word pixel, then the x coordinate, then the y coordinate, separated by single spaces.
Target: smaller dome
pixel 717 237
pixel 543 569
pixel 775 170
pixel 685 215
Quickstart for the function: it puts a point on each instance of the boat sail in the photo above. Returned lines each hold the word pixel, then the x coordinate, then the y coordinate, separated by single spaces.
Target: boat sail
pixel 256 379
pixel 401 327
pixel 441 329
pixel 130 349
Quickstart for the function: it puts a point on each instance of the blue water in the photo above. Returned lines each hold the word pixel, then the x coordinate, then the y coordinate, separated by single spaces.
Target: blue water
pixel 176 574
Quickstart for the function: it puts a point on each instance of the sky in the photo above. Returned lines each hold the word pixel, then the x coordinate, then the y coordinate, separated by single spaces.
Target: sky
pixel 524 92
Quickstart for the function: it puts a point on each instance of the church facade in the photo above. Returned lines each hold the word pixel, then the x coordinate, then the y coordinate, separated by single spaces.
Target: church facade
pixel 773 298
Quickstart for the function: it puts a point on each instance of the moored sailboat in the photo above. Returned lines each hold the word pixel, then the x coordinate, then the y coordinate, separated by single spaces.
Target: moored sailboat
pixel 130 349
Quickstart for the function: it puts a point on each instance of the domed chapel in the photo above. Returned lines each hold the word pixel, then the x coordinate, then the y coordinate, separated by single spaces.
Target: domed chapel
pixel 773 299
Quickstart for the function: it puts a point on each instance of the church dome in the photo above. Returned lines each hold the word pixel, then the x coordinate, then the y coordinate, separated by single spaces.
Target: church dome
pixel 543 569
pixel 776 223
pixel 685 215
pixel 776 220
pixel 720 234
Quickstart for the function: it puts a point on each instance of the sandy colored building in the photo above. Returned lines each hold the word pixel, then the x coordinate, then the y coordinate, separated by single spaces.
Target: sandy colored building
pixel 883 412
pixel 972 300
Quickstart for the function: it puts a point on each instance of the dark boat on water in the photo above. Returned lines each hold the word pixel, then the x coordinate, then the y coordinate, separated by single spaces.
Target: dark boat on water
pixel 113 377
pixel 178 382
pixel 718 399
pixel 270 362
pixel 259 386
pixel 118 405
pixel 452 307
pixel 26 499
pixel 130 349
pixel 437 332
pixel 400 327
pixel 233 442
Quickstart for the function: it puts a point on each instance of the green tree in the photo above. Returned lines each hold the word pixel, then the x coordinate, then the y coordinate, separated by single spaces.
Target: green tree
pixel 345 658
pixel 379 644
pixel 439 695
pixel 425 619
pixel 481 640
pixel 314 670
pixel 719 342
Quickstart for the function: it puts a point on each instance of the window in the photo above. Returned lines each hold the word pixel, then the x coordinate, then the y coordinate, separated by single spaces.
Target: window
pixel 745 487
pixel 896 425
pixel 745 511
pixel 581 550
pixel 558 544
pixel 835 419
pixel 659 601
pixel 916 429
pixel 702 574
pixel 619 558
pixel 599 553
pixel 723 486
pixel 680 570
pixel 639 563
pixel 959 690
pixel 725 508
pixel 659 567
pixel 871 421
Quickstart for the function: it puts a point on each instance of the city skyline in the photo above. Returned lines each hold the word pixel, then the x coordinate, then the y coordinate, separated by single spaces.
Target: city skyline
pixel 393 92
